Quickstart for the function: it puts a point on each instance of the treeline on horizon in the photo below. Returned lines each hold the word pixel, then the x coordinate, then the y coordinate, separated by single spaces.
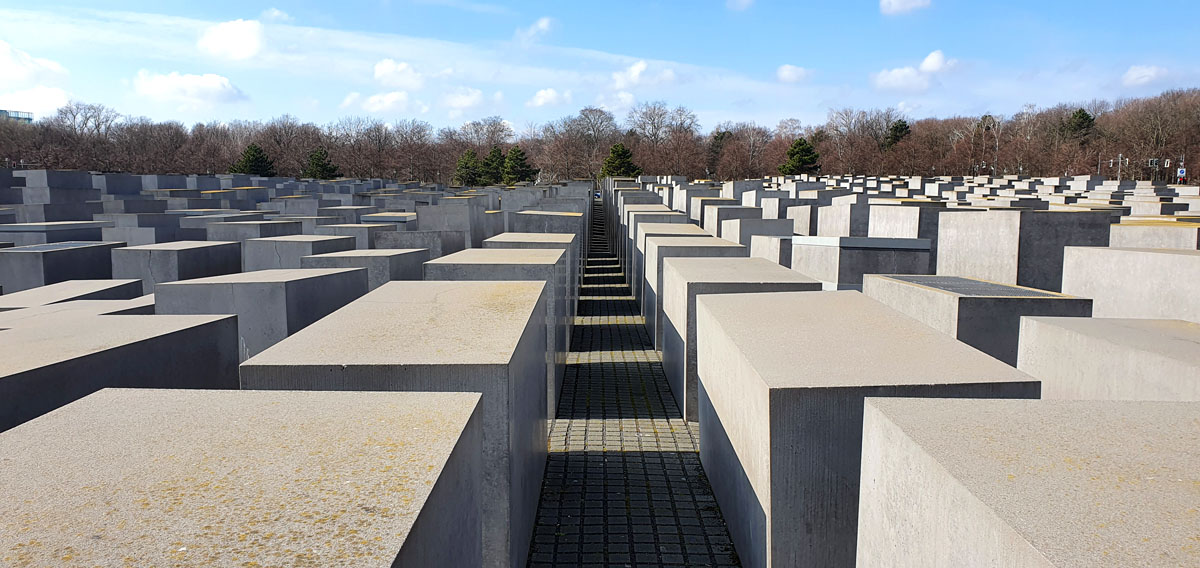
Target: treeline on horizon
pixel 1067 139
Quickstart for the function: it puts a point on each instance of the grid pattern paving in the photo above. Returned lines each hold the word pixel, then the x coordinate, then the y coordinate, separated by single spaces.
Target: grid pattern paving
pixel 623 483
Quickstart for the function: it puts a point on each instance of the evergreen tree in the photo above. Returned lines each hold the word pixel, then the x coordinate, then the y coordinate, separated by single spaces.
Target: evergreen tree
pixel 802 159
pixel 255 162
pixel 469 170
pixel 1080 125
pixel 619 163
pixel 516 169
pixel 898 131
pixel 493 167
pixel 319 166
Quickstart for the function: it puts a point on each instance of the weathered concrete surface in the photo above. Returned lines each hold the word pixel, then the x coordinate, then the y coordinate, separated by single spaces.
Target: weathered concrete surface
pixel 365 235
pixel 841 262
pixel 72 290
pixel 984 315
pixel 1028 483
pixel 560 241
pixel 275 253
pixel 46 365
pixel 1155 234
pixel 637 274
pixel 1134 283
pixel 72 310
pixel 270 304
pixel 30 266
pixel 782 382
pixel 1112 359
pixel 684 279
pixel 663 247
pixel 773 248
pixel 486 337
pixel 439 243
pixel 382 265
pixel 168 477
pixel 25 234
pixel 245 230
pixel 742 231
pixel 180 260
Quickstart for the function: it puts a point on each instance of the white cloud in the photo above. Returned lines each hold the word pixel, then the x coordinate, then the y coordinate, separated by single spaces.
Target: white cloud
pixel 237 40
pixel 1139 75
pixel 527 36
pixel 548 97
pixel 40 100
pixel 901 79
pixel 738 5
pixel 935 62
pixel 19 68
pixel 615 103
pixel 635 75
pixel 350 100
pixel 901 6
pixel 791 74
pixel 498 97
pixel 187 91
pixel 395 101
pixel 276 15
pixel 398 74
pixel 461 99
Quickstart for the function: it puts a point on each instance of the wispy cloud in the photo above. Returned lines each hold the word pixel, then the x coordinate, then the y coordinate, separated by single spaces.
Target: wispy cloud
pixel 477 7
pixel 237 40
pixel 186 90
pixel 791 73
pixel 739 5
pixel 527 36
pixel 549 97
pixel 892 7
pixel 276 15
pixel 1139 75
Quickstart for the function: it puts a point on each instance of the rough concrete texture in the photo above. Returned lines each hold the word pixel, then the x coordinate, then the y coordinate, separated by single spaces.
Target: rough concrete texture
pixel 984 315
pixel 841 262
pixel 382 265
pixel 1112 359
pixel 72 290
pixel 1029 483
pixel 270 304
pixel 365 234
pixel 73 310
pixel 187 478
pixel 245 230
pixel 636 268
pixel 180 260
pixel 663 247
pixel 781 419
pixel 274 253
pixel 560 241
pixel 48 364
pixel 485 337
pixel 1134 283
pixel 30 266
pixel 684 279
pixel 1155 234
pixel 439 243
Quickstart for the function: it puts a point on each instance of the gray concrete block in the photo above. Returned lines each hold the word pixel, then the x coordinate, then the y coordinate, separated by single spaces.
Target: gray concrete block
pixel 841 262
pixel 270 304
pixel 246 230
pixel 1112 359
pixel 182 260
pixel 1028 483
pixel 438 243
pixel 72 290
pixel 660 248
pixel 485 337
pixel 365 235
pixel 551 222
pixel 24 234
pixel 72 311
pixel 684 279
pixel 285 252
pixel 558 241
pixel 46 365
pixel 1155 234
pixel 382 265
pixel 30 266
pixel 984 315
pixel 1133 283
pixel 773 248
pixel 741 231
pixel 782 382
pixel 635 271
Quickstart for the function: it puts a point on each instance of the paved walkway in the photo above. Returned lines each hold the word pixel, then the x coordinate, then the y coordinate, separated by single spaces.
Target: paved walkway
pixel 623 484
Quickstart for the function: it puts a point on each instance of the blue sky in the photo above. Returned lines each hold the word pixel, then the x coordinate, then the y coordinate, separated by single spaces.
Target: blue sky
pixel 447 61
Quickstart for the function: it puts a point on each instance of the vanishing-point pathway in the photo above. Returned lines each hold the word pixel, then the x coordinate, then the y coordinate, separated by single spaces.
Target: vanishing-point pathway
pixel 623 484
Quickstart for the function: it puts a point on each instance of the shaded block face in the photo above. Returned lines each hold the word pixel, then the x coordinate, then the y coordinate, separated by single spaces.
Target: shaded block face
pixel 1028 483
pixel 660 248
pixel 439 243
pixel 485 337
pixel 182 260
pixel 716 215
pixel 684 279
pixel 285 252
pixel 1133 283
pixel 781 410
pixel 742 231
pixel 365 234
pixel 1112 359
pixel 44 365
pixel 270 304
pixel 72 290
pixel 636 267
pixel 841 262
pixel 246 230
pixel 30 266
pixel 382 265
pixel 42 232
pixel 984 315
pixel 413 458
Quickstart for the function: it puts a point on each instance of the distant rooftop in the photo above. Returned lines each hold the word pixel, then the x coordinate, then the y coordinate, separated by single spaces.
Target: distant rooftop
pixel 16 115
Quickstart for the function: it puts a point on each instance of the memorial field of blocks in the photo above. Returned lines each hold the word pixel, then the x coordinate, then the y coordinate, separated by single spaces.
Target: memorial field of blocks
pixel 862 371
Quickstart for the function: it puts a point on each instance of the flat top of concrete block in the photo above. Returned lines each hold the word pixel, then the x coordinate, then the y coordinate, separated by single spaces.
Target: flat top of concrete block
pixel 262 276
pixel 1104 250
pixel 862 242
pixel 1087 483
pixel 358 226
pixel 301 238
pixel 222 478
pixel 669 229
pixel 63 246
pixel 554 238
pixel 248 223
pixel 181 245
pixel 669 241
pixel 205 212
pixel 70 310
pixel 48 342
pixel 391 215
pixel 50 226
pixel 806 339
pixel 501 256
pixel 349 207
pixel 58 292
pixel 723 269
pixel 367 252
pixel 960 286
pixel 551 213
pixel 416 323
pixel 1174 339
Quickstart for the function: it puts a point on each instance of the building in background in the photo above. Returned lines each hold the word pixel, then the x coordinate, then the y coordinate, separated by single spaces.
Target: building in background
pixel 26 117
